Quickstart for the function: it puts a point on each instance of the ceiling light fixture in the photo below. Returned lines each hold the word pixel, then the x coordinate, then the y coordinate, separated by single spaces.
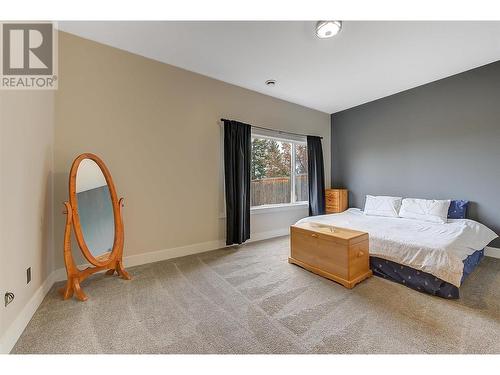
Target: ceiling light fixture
pixel 271 82
pixel 327 29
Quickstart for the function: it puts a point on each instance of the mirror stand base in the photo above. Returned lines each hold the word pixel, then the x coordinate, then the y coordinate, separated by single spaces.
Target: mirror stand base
pixel 120 270
pixel 73 286
pixel 75 275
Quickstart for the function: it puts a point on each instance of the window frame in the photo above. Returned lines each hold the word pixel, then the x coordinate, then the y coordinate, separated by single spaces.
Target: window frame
pixel 293 140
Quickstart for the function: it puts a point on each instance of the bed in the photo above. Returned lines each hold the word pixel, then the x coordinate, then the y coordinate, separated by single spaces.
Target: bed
pixel 429 257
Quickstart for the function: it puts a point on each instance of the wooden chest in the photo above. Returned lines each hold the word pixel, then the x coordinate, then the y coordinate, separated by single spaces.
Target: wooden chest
pixel 336 200
pixel 338 254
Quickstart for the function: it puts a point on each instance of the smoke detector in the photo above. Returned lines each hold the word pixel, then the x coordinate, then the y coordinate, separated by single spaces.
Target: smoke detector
pixel 327 29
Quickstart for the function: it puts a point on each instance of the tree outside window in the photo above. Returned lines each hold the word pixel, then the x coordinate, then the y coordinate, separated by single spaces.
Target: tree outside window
pixel 278 171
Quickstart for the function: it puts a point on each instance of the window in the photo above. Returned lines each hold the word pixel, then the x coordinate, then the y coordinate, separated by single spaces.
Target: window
pixel 278 170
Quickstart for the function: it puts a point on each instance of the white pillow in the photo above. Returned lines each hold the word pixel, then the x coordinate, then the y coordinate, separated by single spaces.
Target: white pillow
pixel 382 205
pixel 432 210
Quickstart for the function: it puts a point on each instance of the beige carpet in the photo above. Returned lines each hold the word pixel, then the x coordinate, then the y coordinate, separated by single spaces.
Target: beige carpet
pixel 250 300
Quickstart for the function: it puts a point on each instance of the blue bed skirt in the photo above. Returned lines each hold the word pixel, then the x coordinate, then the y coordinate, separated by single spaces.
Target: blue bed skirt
pixel 422 281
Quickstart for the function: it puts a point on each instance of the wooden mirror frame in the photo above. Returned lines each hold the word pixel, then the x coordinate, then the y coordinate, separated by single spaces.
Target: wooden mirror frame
pixel 114 262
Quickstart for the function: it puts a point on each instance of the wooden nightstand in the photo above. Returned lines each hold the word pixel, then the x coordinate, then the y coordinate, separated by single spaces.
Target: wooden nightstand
pixel 336 200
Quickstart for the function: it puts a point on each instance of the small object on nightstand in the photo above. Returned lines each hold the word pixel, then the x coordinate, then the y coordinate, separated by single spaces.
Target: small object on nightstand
pixel 336 200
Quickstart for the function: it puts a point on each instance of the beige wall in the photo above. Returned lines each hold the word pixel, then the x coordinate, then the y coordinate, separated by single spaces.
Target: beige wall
pixel 26 205
pixel 157 128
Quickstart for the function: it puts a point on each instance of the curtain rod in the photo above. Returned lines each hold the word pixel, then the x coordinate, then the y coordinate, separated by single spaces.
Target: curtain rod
pixel 273 130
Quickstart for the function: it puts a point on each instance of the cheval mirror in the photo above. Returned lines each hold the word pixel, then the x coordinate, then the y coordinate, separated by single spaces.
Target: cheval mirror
pixel 95 214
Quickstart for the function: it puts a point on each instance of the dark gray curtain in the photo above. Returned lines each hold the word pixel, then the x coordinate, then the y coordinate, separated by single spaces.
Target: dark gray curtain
pixel 237 156
pixel 316 176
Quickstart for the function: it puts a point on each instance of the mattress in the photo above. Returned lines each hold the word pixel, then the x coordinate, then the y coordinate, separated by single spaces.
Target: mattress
pixel 436 249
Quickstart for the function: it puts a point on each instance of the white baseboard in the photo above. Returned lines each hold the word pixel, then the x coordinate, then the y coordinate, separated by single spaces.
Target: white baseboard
pixel 16 328
pixel 493 252
pixel 10 337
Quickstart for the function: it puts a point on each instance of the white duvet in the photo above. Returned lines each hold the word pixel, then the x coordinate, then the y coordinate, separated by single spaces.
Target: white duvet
pixel 438 249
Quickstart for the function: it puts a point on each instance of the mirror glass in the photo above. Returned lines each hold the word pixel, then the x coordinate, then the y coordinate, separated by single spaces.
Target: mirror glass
pixel 95 209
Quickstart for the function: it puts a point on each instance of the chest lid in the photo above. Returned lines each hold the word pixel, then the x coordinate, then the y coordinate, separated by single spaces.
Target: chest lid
pixel 336 234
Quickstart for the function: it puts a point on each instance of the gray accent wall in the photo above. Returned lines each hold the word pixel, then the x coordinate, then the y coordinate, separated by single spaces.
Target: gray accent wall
pixel 437 141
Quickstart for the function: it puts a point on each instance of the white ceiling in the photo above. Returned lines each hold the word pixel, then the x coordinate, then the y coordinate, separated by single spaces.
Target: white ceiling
pixel 366 61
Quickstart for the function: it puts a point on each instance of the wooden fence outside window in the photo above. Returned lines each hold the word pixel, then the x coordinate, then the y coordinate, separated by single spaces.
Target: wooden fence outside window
pixel 277 190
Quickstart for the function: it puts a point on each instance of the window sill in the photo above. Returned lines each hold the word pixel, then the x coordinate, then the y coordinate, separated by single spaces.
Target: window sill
pixel 277 208
pixel 271 208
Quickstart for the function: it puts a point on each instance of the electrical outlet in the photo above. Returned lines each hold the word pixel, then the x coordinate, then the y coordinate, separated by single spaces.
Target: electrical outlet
pixel 28 275
pixel 9 297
